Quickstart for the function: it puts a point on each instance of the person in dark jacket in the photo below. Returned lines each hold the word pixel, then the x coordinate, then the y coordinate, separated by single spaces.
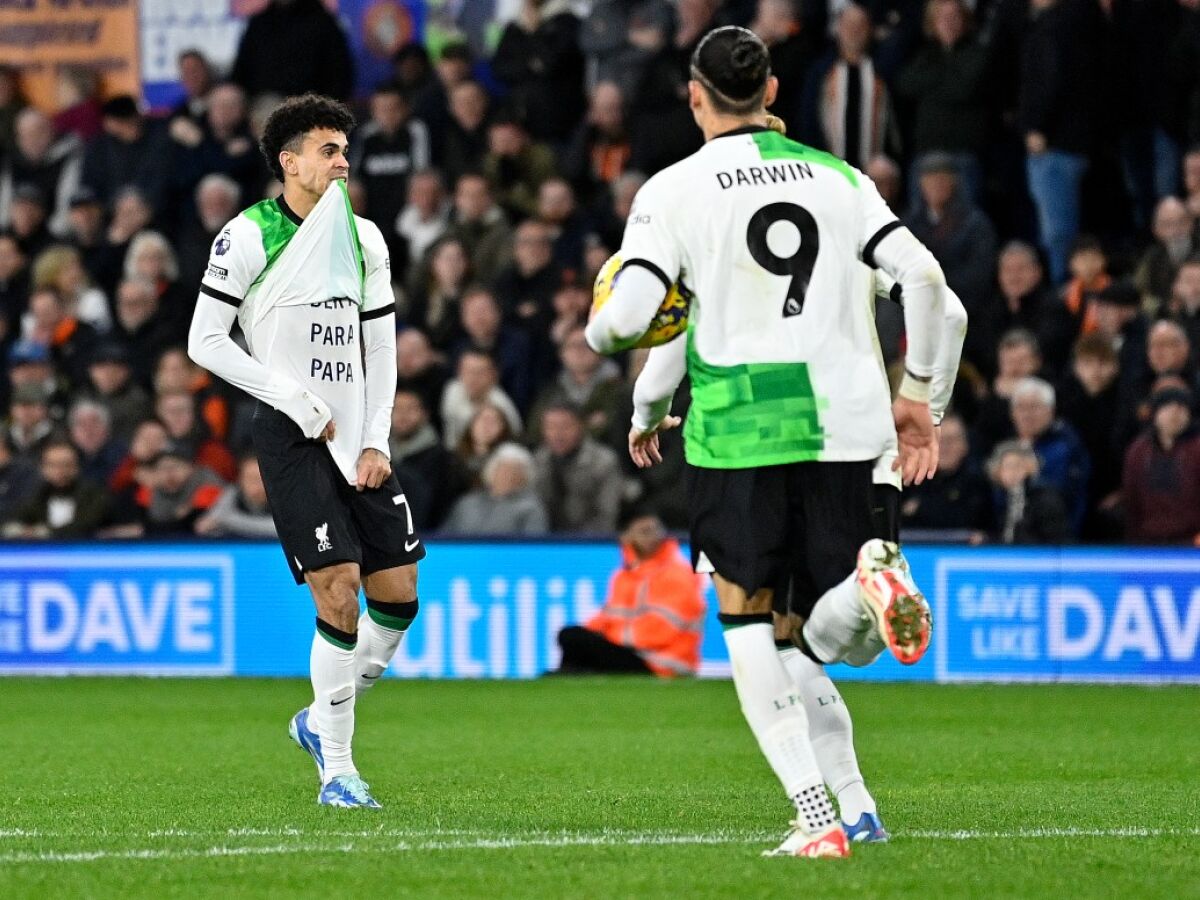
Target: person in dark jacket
pixel 291 47
pixel 18 479
pixel 959 497
pixel 1027 511
pixel 1161 480
pixel 415 445
pixel 1063 461
pixel 64 505
pixel 133 151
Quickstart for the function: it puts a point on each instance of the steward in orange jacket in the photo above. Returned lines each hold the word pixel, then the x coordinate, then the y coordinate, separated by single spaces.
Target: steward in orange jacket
pixel 653 620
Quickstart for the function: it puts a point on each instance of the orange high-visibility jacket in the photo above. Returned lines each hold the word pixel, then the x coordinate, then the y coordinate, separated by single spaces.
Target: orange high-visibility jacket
pixel 656 607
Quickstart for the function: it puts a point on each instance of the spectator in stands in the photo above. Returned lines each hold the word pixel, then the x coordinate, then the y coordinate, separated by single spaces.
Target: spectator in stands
pixel 526 288
pixel 1184 305
pixel 69 340
pixel 569 227
pixel 11 104
pixel 183 491
pixel 955 230
pixel 18 479
pixel 100 453
pixel 847 108
pixel 419 369
pixel 886 174
pixel 539 61
pixel 131 213
pixel 481 227
pixel 149 439
pixel 1088 265
pixel 29 363
pixel 485 331
pixel 462 141
pixel 505 504
pixel 175 372
pixel 589 383
pixel 177 411
pixel 223 145
pixel 1168 354
pixel 959 497
pixel 291 47
pixel 86 232
pixel 40 158
pixel 478 382
pixel 1161 480
pixel 793 45
pixel 621 38
pixel 14 286
pixel 141 326
pixel 599 151
pixel 30 428
pixel 426 215
pixel 1056 114
pixel 652 621
pixel 385 153
pixel 415 445
pixel 1173 243
pixel 1027 511
pixel 151 257
pixel 110 382
pixel 571 306
pixel 436 291
pixel 945 82
pixel 434 103
pixel 516 166
pixel 196 78
pixel 1063 461
pixel 1117 317
pixel 27 220
pixel 611 218
pixel 60 268
pixel 64 506
pixel 578 479
pixel 218 199
pixel 133 151
pixel 1022 302
pixel 1019 357
pixel 1088 401
pixel 78 91
pixel 488 429
pixel 242 509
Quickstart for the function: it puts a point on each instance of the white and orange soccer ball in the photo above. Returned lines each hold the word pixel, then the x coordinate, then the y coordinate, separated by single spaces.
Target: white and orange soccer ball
pixel 669 322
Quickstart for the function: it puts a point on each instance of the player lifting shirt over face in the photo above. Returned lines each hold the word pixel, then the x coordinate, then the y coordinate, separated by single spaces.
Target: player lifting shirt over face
pixel 309 283
pixel 789 404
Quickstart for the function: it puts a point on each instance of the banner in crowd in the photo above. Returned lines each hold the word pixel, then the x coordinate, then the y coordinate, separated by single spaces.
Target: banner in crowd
pixel 45 40
pixel 494 610
pixel 376 29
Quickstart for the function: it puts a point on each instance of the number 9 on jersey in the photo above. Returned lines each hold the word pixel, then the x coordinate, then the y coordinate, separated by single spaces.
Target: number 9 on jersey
pixel 668 323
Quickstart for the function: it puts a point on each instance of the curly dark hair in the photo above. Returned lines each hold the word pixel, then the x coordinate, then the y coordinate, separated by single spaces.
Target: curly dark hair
pixel 294 118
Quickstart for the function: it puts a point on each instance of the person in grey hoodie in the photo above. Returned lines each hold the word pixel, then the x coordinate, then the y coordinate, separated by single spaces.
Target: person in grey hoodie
pixel 242 509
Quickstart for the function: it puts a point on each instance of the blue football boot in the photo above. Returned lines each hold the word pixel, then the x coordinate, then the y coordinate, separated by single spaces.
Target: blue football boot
pixel 867 830
pixel 307 740
pixel 347 791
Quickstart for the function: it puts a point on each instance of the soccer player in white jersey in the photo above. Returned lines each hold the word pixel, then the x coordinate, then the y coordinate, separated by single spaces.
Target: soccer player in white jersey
pixel 789 405
pixel 309 283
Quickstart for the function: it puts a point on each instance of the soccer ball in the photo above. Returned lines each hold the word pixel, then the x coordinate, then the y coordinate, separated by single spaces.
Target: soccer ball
pixel 669 322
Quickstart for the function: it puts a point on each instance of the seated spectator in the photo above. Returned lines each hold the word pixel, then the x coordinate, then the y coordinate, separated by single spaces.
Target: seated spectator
pixel 64 506
pixel 1062 461
pixel 652 621
pixel 526 288
pixel 887 177
pixel 1019 357
pixel 1168 353
pixel 591 384
pixel 420 370
pixel 572 303
pixel 99 452
pixel 516 166
pixel 177 411
pixel 1173 243
pixel 508 346
pixel 14 286
pixel 436 291
pixel 425 216
pixel 1076 314
pixel 177 373
pixel 599 151
pixel 131 213
pixel 959 496
pixel 18 479
pixel 149 439
pixel 1088 401
pixel 60 268
pixel 578 479
pixel 956 231
pixel 151 257
pixel 488 430
pixel 1023 301
pixel 505 504
pixel 86 232
pixel 1026 510
pixel 481 227
pixel 183 492
pixel 30 428
pixel 461 142
pixel 569 228
pixel 27 218
pixel 611 219
pixel 415 445
pixel 1118 318
pixel 69 340
pixel 1184 305
pixel 110 382
pixel 478 382
pixel 1160 485
pixel 29 363
pixel 242 509
pixel 141 327
pixel 41 158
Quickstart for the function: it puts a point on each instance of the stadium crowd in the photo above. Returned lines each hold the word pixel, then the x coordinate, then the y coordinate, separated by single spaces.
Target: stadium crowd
pixel 1043 149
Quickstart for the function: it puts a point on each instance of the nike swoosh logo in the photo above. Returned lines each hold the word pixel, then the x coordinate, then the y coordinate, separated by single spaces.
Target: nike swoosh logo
pixel 369 677
pixel 408 546
pixel 343 700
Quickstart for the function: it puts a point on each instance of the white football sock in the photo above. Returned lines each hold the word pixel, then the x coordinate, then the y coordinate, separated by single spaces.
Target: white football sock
pixel 831 734
pixel 775 713
pixel 380 630
pixel 331 666
pixel 837 622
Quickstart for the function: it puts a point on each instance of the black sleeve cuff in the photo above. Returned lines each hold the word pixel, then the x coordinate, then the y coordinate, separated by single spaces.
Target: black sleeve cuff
pixel 868 254
pixel 650 267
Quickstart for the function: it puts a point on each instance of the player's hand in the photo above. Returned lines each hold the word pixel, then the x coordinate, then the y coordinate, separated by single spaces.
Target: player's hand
pixel 328 433
pixel 373 469
pixel 918 444
pixel 643 445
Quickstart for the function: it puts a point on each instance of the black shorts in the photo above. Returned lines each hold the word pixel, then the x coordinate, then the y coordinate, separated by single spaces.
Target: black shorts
pixel 320 517
pixel 799 525
pixel 885 512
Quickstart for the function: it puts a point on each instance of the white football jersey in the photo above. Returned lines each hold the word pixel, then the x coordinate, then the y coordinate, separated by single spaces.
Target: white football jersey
pixel 767 235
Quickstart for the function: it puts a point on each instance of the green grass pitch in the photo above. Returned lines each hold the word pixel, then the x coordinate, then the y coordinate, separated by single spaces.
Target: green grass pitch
pixel 587 788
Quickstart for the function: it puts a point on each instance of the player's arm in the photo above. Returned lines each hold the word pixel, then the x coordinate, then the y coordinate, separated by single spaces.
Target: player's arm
pixel 652 395
pixel 378 320
pixel 651 263
pixel 235 262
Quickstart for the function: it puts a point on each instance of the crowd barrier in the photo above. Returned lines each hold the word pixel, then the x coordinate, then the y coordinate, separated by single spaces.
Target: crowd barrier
pixel 492 610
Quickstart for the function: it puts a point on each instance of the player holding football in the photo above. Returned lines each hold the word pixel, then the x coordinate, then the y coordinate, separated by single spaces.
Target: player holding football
pixel 309 283
pixel 789 403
